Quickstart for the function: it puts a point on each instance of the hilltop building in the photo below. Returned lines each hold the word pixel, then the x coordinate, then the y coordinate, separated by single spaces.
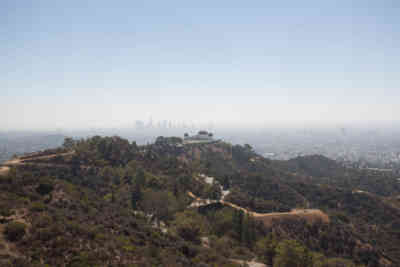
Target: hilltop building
pixel 201 136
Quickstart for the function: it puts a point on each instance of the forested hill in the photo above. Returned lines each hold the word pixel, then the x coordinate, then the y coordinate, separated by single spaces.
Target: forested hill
pixel 325 170
pixel 104 201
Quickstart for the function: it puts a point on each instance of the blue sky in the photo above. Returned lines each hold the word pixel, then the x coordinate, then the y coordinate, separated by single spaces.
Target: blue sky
pixel 77 64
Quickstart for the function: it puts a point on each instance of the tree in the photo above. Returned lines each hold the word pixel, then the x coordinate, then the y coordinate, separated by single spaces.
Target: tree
pixel 44 188
pixel 214 192
pixel 14 231
pixel 69 143
pixel 158 203
pixel 225 182
pixel 189 225
pixel 290 253
pixel 238 223
pixel 266 248
pixel 111 176
pixel 140 178
pixel 184 182
pixel 137 188
pixel 249 230
pixel 248 147
pixel 136 196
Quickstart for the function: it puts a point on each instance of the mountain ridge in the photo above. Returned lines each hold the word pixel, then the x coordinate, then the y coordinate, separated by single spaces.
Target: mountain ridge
pixel 106 180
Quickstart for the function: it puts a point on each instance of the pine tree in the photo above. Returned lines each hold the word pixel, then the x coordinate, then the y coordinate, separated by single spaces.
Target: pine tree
pixel 238 224
pixel 137 194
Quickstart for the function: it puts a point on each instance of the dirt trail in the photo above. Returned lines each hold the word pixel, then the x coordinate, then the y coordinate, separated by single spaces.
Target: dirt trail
pixel 4 170
pixel 251 263
pixel 310 215
pixel 20 160
pixel 5 167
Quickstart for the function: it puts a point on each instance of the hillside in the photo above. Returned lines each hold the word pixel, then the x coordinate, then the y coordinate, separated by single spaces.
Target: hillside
pixel 326 171
pixel 104 201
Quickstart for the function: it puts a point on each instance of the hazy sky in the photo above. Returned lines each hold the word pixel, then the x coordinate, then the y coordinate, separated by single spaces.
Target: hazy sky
pixel 69 64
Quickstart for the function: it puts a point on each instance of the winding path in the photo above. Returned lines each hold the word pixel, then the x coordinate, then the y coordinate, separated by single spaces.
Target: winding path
pixel 309 214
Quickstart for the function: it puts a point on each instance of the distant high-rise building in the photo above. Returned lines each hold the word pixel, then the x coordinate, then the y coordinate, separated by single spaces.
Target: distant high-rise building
pixel 139 125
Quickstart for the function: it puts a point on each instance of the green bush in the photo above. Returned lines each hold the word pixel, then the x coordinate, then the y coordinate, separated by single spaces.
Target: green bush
pixel 44 188
pixel 14 231
pixel 82 260
pixel 46 234
pixel 42 221
pixel 189 231
pixel 80 229
pixel 5 210
pixel 37 206
pixel 291 253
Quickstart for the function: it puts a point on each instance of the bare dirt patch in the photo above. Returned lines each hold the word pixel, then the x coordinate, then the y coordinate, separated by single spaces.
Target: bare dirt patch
pixel 22 160
pixel 4 170
pixel 311 216
pixel 5 167
pixel 250 263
